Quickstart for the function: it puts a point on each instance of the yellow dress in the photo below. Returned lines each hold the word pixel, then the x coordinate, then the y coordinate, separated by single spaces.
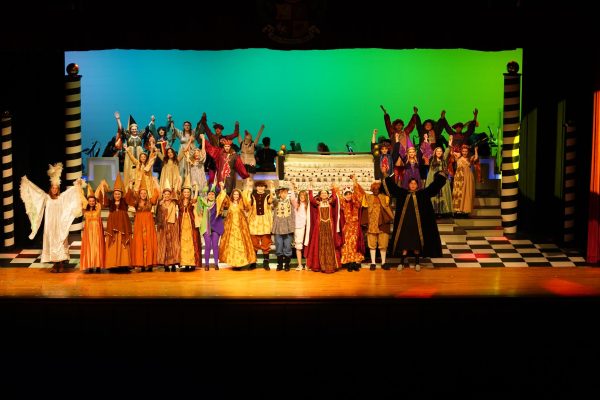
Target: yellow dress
pixel 236 248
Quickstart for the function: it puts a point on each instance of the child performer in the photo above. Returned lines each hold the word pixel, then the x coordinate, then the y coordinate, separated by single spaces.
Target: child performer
pixel 211 224
pixel 284 227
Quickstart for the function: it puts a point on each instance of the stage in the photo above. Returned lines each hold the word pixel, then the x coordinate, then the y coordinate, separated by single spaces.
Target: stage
pixel 225 284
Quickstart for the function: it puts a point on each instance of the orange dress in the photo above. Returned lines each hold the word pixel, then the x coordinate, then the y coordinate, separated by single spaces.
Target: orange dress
pixel 351 230
pixel 144 247
pixel 92 238
pixel 118 235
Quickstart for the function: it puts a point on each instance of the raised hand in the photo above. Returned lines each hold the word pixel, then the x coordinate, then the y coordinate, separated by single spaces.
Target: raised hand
pixel 375 131
pixel 475 112
pixel 117 115
pixel 443 113
pixel 221 185
pixel 384 111
pixel 152 118
pixel 415 110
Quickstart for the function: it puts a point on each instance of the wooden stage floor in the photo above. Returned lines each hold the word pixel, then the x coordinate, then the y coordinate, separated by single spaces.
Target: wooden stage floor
pixel 298 285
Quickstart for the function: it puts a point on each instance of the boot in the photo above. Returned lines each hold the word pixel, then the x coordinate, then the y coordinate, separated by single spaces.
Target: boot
pixel 98 270
pixel 417 264
pixel 206 267
pixel 279 263
pixel 266 262
pixel 287 260
pixel 401 266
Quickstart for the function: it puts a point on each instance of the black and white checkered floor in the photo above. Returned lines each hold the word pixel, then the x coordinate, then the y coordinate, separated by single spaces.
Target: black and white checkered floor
pixel 476 252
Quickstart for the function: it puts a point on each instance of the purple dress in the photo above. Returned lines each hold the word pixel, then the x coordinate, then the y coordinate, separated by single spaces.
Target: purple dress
pixel 411 170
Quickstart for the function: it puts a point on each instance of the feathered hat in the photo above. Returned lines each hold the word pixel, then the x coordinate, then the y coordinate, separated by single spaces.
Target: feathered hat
pixel 225 141
pixel 118 184
pixel 54 172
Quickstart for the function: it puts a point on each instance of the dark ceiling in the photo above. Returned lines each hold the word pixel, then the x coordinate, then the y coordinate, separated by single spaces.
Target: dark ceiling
pixel 293 24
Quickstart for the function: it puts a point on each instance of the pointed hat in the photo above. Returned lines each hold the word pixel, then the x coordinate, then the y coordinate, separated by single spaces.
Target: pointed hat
pixel 167 186
pixel 90 191
pixel 118 184
pixel 143 185
pixel 130 122
pixel 187 184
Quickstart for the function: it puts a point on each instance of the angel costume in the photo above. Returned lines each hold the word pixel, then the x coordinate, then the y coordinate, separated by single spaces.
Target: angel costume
pixel 59 214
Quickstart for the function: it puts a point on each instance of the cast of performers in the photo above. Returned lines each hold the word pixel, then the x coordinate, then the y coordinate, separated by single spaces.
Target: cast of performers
pixel 167 228
pixel 400 139
pixel 442 202
pixel 260 218
pixel 92 238
pixel 429 132
pixel 236 248
pixel 301 224
pixel 353 246
pixel 379 220
pixel 170 172
pixel 284 226
pixel 59 210
pixel 415 228
pixel 386 160
pixel 186 141
pixel 463 189
pixel 247 149
pixel 144 245
pixel 195 160
pixel 160 141
pixel 323 252
pixel 130 138
pixel 211 227
pixel 228 162
pixel 118 231
pixel 411 168
pixel 142 168
pixel 459 138
pixel 191 256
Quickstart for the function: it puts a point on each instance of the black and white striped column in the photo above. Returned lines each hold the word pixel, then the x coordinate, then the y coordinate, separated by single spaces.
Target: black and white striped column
pixel 7 182
pixel 510 148
pixel 73 131
pixel 569 184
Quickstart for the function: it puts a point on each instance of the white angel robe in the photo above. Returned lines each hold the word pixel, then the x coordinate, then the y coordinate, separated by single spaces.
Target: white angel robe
pixel 59 214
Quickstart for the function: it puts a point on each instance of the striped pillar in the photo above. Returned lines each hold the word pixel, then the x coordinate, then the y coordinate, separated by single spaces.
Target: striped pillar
pixel 510 148
pixel 569 184
pixel 7 182
pixel 73 131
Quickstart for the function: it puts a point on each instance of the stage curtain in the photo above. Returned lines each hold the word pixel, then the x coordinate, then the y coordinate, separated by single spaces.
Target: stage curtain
pixel 593 248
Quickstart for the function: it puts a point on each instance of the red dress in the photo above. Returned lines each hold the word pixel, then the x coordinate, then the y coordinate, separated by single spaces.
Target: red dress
pixel 323 251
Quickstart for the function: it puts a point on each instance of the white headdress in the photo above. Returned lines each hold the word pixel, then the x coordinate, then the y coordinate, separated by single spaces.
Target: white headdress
pixel 54 172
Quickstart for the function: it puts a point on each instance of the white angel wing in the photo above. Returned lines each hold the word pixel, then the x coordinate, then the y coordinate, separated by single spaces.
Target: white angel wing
pixel 35 203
